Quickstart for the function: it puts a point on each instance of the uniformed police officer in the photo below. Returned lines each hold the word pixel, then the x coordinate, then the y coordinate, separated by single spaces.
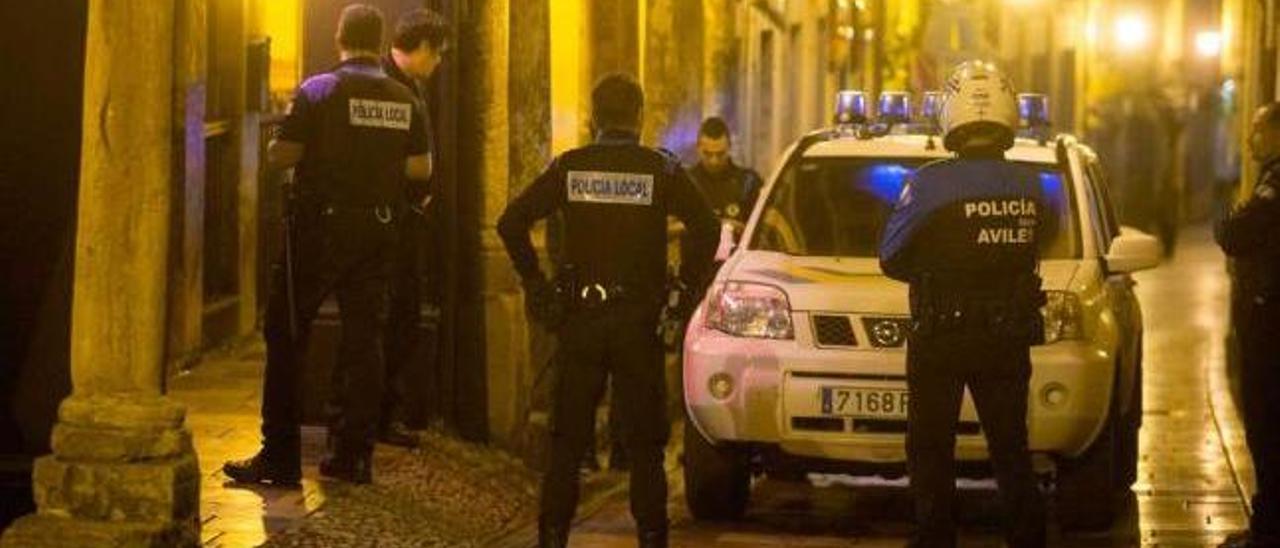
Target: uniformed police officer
pixel 419 44
pixel 616 196
pixel 1251 236
pixel 731 190
pixel 965 235
pixel 354 136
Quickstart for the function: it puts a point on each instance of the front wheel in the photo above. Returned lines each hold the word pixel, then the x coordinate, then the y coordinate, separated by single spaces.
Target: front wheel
pixel 717 480
pixel 1086 484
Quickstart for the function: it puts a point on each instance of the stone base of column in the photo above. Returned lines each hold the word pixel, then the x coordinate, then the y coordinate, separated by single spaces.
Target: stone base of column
pixel 123 473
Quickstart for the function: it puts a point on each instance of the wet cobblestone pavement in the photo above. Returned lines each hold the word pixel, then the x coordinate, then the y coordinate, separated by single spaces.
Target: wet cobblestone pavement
pixel 445 493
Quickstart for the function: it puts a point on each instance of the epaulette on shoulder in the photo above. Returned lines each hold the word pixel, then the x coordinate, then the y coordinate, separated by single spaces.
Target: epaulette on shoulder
pixel 672 162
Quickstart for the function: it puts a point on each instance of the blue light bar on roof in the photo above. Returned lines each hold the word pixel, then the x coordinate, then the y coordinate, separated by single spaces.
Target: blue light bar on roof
pixel 851 107
pixel 894 107
pixel 1034 110
pixel 931 106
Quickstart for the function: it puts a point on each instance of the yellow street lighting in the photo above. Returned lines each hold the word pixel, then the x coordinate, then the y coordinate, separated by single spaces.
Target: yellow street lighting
pixel 1208 43
pixel 1132 32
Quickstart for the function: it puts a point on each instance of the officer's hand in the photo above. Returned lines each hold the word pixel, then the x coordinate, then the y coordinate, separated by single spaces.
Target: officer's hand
pixel 541 303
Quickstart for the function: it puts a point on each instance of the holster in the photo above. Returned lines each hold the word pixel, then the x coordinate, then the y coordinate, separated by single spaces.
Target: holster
pixel 1013 315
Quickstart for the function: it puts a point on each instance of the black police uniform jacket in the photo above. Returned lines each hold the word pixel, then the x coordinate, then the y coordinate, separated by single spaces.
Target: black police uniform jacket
pixel 731 193
pixel 968 232
pixel 616 196
pixel 357 126
pixel 1251 235
pixel 416 191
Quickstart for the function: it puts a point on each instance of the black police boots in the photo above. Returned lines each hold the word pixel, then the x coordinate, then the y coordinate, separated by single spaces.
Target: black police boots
pixel 398 434
pixel 276 467
pixel 550 536
pixel 652 539
pixel 348 467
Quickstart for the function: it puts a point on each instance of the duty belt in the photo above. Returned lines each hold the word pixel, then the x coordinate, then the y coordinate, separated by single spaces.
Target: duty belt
pixel 381 212
pixel 592 295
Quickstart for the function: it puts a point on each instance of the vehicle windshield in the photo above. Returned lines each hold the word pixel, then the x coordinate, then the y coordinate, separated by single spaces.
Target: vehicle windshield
pixel 837 207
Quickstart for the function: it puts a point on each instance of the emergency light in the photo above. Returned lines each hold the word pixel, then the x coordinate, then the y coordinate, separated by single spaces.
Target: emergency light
pixel 930 107
pixel 1033 108
pixel 851 108
pixel 894 107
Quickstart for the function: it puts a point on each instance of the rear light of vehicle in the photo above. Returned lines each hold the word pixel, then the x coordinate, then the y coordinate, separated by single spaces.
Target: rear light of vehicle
pixel 1063 317
pixel 752 310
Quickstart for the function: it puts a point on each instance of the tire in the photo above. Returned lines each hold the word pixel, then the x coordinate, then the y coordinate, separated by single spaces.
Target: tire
pixel 717 480
pixel 1126 440
pixel 1086 498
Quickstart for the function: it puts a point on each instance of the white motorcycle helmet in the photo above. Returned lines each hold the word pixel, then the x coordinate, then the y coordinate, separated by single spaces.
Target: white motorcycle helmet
pixel 979 108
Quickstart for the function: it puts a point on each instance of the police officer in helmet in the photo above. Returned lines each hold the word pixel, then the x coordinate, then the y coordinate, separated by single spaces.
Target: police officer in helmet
pixel 966 236
pixel 354 136
pixel 1251 236
pixel 615 196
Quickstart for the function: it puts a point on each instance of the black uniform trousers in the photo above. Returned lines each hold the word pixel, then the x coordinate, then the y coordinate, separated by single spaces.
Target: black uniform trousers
pixel 617 341
pixel 998 373
pixel 344 252
pixel 1257 324
pixel 404 313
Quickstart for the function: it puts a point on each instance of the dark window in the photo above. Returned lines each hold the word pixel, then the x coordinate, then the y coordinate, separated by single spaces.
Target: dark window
pixel 838 207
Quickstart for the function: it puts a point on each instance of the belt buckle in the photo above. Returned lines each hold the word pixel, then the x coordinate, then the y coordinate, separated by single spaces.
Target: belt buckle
pixel 597 289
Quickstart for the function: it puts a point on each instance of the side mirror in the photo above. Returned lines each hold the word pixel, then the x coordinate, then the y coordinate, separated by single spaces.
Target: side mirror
pixel 729 234
pixel 1133 250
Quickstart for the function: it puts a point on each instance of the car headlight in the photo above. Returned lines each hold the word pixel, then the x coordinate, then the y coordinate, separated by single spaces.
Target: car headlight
pixel 750 310
pixel 1062 317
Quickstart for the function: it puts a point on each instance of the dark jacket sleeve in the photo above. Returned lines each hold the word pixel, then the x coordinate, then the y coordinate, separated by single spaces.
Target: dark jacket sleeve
pixel 538 201
pixel 896 243
pixel 1253 229
pixel 702 230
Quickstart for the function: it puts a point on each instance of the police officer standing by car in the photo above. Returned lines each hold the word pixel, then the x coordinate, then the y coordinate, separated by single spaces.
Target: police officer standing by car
pixel 966 236
pixel 417 49
pixel 731 190
pixel 1251 236
pixel 354 135
pixel 615 196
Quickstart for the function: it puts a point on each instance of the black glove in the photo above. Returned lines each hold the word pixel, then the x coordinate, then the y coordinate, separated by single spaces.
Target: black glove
pixel 542 303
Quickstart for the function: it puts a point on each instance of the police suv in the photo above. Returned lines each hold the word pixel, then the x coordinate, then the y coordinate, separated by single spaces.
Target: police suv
pixel 795 361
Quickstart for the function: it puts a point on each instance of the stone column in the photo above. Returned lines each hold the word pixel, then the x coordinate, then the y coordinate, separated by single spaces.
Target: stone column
pixel 123 471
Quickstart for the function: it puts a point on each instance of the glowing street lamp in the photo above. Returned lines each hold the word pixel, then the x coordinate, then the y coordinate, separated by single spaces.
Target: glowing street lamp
pixel 1208 43
pixel 1132 32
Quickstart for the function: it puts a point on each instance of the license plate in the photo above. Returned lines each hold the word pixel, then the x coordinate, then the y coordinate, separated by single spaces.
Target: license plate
pixel 874 403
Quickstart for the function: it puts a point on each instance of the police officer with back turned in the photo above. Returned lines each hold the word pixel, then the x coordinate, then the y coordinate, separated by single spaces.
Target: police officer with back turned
pixel 616 196
pixel 1251 236
pixel 966 235
pixel 354 135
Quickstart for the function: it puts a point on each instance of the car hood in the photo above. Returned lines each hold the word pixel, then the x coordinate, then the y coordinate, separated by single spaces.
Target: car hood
pixel 848 284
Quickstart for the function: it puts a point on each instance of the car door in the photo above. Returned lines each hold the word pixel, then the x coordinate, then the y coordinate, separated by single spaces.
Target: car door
pixel 1120 294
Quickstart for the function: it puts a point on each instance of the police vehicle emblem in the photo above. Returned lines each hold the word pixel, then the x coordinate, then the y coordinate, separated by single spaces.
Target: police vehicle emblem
pixel 379 114
pixel 603 187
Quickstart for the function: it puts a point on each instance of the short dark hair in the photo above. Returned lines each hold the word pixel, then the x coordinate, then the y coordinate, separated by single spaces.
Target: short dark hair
pixel 360 28
pixel 418 26
pixel 714 128
pixel 616 101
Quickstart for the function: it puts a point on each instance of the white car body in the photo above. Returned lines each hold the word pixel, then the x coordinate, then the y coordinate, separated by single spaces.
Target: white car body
pixel 775 404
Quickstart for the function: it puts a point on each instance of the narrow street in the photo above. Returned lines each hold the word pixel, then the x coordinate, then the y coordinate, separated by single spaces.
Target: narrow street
pixel 1193 474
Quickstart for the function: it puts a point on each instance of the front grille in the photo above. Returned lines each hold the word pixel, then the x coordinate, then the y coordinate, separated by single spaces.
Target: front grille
pixel 818 424
pixel 831 330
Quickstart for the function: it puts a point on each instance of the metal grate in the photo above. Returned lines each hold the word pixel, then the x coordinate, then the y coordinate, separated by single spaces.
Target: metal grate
pixel 833 331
